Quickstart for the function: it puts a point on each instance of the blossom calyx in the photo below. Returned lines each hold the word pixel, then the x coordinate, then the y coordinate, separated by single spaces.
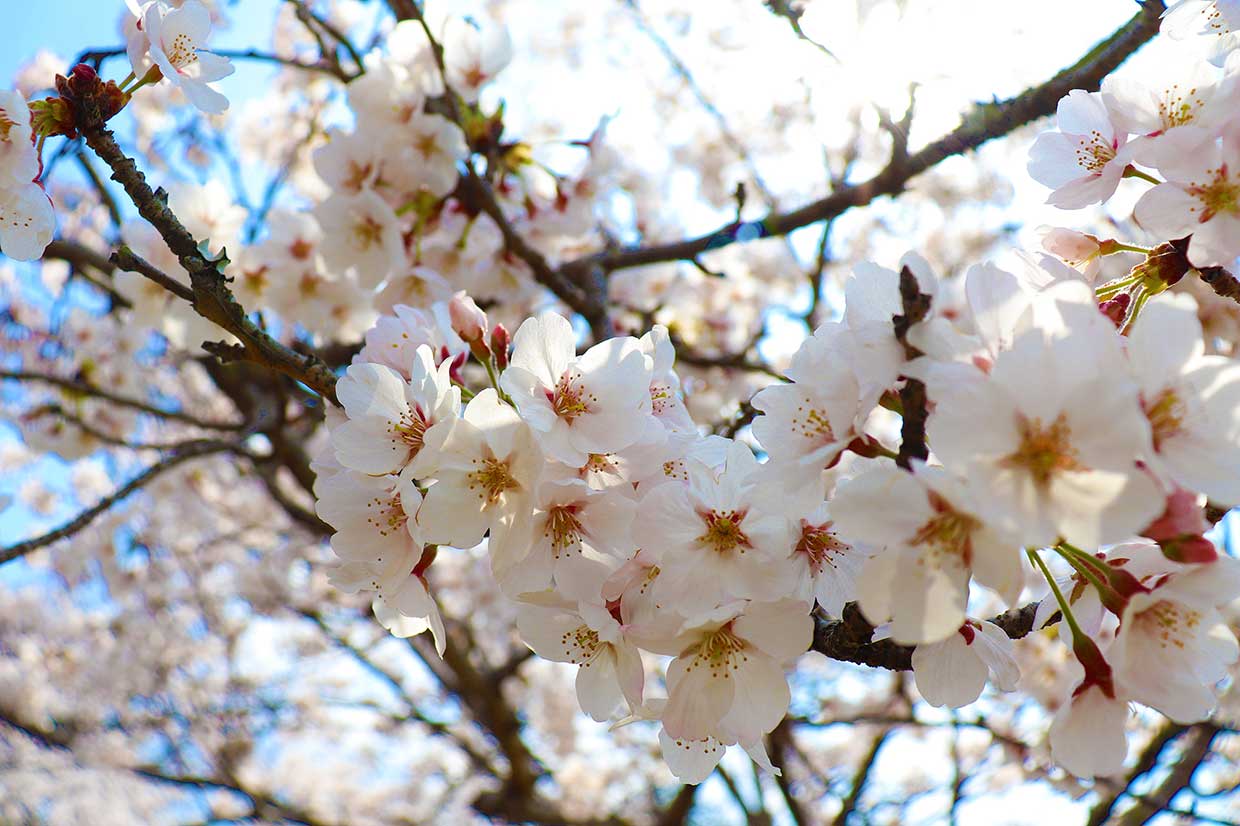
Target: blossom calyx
pixel 91 101
pixel 52 116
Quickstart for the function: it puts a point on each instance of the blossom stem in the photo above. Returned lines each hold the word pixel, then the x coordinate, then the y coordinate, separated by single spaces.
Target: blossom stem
pixel 1064 607
pixel 1116 287
pixel 128 80
pixel 1133 172
pixel 1118 247
pixel 1082 569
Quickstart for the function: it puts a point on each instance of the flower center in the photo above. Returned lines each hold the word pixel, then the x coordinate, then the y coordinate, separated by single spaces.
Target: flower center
pixel 1219 194
pixel 182 51
pixel 949 533
pixel 580 645
pixel 820 545
pixel 386 515
pixel 660 398
pixel 1044 451
pixel 6 125
pixel 563 528
pixel 1167 622
pixel 722 652
pixel 812 424
pixel 426 146
pixel 1176 108
pixel 1093 152
pixel 493 478
pixel 569 399
pixel 410 429
pixel 367 232
pixel 723 532
pixel 300 249
pixel 1166 414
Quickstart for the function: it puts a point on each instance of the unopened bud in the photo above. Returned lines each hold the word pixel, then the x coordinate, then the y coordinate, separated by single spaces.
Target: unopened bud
pixel 499 345
pixel 1116 309
pixel 468 320
pixel 454 368
pixel 1179 530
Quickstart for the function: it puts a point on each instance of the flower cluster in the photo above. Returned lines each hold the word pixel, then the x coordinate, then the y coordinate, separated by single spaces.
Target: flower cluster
pixel 166 39
pixel 26 217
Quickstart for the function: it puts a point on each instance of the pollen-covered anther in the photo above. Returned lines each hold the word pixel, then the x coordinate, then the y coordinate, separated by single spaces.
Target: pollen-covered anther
pixel 820 545
pixel 563 529
pixel 1045 450
pixel 723 532
pixel 491 479
pixel 570 399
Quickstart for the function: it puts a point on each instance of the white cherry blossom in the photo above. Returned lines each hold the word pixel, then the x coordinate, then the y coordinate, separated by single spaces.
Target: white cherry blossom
pixel 394 423
pixel 931 539
pixel 19 162
pixel 598 402
pixel 177 37
pixel 953 671
pixel 1192 400
pixel 1201 197
pixel 27 222
pixel 1049 439
pixel 589 636
pixel 361 232
pixel 485 479
pixel 1083 161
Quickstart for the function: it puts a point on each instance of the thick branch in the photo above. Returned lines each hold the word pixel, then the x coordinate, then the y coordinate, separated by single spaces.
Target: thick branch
pixel 189 450
pixel 211 297
pixel 986 122
pixel 849 639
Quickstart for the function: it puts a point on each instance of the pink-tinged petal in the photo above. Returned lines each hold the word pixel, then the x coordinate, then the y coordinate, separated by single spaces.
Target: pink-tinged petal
pixel 698 698
pixel 761 698
pixel 544 346
pixel 1052 160
pixel 192 21
pixel 995 649
pixel 783 630
pixel 1167 211
pixel 1089 189
pixel 691 761
pixel 949 673
pixel 597 690
pixel 1083 113
pixel 453 515
pixel 1216 242
pixel 1163 339
pixel 212 67
pixel 1087 735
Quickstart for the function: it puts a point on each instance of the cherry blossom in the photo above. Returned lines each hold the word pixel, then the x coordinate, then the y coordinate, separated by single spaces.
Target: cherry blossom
pixel 176 37
pixel 931 540
pixel 589 636
pixel 485 478
pixel 596 403
pixel 1201 197
pixel 1049 457
pixel 714 539
pixel 953 671
pixel 19 163
pixel 395 423
pixel 27 222
pixel 1192 400
pixel 1084 160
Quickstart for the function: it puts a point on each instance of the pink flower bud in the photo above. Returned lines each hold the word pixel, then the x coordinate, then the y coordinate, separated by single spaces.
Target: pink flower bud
pixel 468 321
pixel 1116 309
pixel 499 345
pixel 1179 530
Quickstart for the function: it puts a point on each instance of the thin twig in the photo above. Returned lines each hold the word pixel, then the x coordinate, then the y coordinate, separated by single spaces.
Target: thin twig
pixel 187 451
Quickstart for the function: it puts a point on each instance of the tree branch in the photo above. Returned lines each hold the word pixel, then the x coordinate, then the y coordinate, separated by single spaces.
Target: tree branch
pixel 986 122
pixel 187 451
pixel 849 639
pixel 211 297
pixel 83 388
